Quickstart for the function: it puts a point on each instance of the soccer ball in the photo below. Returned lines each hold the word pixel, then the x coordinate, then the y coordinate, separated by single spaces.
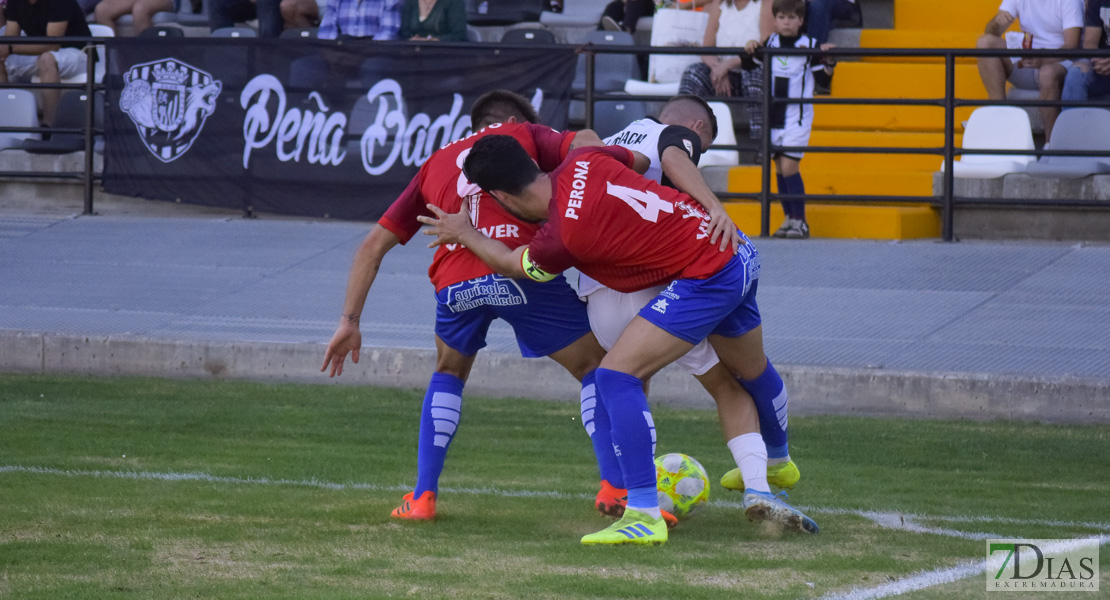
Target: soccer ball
pixel 682 483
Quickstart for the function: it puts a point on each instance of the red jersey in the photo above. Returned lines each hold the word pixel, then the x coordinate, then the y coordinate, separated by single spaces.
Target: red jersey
pixel 442 183
pixel 623 230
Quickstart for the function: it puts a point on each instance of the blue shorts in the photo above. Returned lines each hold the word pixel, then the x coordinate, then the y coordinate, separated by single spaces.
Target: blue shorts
pixel 546 317
pixel 723 304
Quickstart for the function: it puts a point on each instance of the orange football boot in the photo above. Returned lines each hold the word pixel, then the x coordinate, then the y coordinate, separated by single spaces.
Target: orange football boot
pixel 423 509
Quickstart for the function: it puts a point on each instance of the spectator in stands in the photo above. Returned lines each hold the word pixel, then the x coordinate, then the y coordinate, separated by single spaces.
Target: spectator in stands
pixel 732 23
pixel 622 15
pixel 226 13
pixel 791 124
pixel 88 6
pixel 1090 79
pixel 1052 24
pixel 369 19
pixel 443 20
pixel 51 62
pixel 302 14
pixel 142 12
pixel 820 15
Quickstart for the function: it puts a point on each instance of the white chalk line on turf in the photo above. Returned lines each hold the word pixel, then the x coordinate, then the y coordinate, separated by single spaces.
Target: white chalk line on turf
pixel 927 579
pixel 888 520
pixel 910 522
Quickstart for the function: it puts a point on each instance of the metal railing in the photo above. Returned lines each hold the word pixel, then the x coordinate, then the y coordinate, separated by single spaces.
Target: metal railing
pixel 947 201
pixel 90 87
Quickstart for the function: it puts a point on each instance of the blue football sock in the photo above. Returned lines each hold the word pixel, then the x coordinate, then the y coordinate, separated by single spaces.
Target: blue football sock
pixel 439 418
pixel 632 426
pixel 795 185
pixel 769 394
pixel 596 421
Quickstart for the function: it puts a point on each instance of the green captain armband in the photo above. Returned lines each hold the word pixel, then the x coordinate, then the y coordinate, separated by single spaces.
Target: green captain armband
pixel 532 271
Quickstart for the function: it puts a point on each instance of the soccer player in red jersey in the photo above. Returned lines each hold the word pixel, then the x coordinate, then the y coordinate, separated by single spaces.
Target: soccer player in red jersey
pixel 548 318
pixel 629 233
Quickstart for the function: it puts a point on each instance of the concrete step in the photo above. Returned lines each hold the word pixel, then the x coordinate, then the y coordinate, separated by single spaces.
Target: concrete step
pixel 851 222
pixel 886 118
pixel 856 182
pixel 823 161
pixel 888 38
pixel 944 15
pixel 903 80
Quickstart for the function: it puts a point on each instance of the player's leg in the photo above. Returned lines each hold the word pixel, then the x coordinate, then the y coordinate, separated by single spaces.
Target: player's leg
pixel 610 312
pixel 554 323
pixel 643 349
pixel 734 405
pixel 738 341
pixel 459 336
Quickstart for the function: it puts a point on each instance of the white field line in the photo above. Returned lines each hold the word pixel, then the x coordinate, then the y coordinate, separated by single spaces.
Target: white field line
pixel 888 520
pixel 927 579
pixel 909 522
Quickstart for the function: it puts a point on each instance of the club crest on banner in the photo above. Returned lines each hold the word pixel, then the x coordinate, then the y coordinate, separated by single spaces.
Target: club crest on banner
pixel 169 101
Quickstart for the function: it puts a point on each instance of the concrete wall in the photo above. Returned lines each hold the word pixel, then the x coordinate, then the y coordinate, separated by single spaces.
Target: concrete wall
pixel 1025 222
pixel 813 391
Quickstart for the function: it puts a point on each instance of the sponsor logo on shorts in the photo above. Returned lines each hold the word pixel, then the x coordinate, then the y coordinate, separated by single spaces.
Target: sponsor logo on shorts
pixel 491 290
pixel 660 306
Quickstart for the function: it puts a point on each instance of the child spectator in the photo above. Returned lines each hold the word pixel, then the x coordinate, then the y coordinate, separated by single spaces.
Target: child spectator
pixel 1052 24
pixel 791 124
pixel 1089 79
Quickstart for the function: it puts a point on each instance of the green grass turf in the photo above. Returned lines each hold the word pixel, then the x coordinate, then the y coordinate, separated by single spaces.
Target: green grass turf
pixel 80 535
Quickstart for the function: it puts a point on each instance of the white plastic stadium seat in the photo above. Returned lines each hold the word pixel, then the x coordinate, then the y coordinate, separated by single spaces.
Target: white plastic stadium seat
pixel 726 135
pixel 1077 129
pixel 637 87
pixel 995 128
pixel 576 13
pixel 17 109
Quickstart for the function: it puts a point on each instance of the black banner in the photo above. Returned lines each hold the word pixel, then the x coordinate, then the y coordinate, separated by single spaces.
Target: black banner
pixel 301 127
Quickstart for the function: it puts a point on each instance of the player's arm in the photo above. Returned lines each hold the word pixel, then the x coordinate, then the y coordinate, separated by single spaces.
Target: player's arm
pixel 364 269
pixel 456 229
pixel 584 138
pixel 684 175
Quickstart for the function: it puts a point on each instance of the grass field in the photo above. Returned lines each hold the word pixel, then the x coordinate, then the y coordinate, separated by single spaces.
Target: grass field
pixel 142 488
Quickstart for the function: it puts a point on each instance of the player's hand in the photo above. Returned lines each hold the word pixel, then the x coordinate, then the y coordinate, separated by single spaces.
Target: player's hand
pixel 751 46
pixel 1030 63
pixel 721 227
pixel 1101 65
pixel 448 228
pixel 347 338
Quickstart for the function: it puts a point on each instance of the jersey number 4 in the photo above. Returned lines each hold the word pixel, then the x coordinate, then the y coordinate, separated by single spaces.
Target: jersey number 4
pixel 645 203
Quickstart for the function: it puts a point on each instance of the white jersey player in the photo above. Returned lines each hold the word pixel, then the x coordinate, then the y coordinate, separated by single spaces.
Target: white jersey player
pixel 673 144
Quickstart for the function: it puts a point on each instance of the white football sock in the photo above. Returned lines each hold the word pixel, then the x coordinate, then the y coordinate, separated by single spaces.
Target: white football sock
pixel 750 454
